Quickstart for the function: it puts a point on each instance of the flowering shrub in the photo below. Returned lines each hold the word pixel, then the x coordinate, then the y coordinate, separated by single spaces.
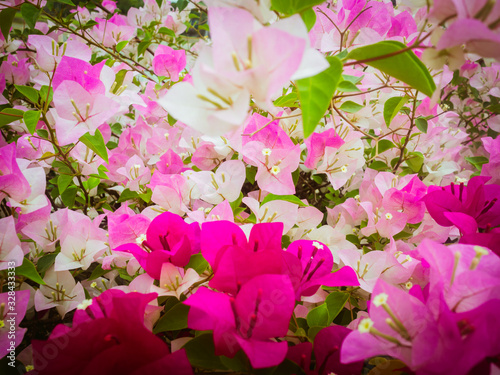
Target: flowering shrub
pixel 245 186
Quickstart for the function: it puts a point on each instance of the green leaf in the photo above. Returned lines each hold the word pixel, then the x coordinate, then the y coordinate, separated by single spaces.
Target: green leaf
pixel 477 161
pixel 6 17
pixel 288 100
pixel 347 86
pixel 8 115
pixel 378 165
pixel 182 4
pixel 383 145
pixel 31 118
pixel 415 161
pixel 421 124
pixel 28 91
pixel 335 303
pixel 46 93
pixel 250 174
pixel 318 316
pixel 313 331
pixel 30 14
pixel 142 47
pixel 119 78
pixel 236 203
pixel 98 272
pixel 201 353
pixel 27 269
pixel 96 143
pixel 309 18
pixel 351 107
pixel 45 262
pixel 288 198
pixel 127 194
pixel 316 92
pixel 164 30
pixel 404 66
pixel 69 195
pixel 121 45
pixel 174 319
pixel 392 107
pixel 198 263
pixel 293 6
pixel 68 2
pixel 63 182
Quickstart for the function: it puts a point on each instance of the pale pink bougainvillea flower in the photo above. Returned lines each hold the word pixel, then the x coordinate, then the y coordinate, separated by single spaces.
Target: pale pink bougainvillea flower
pixel 169 62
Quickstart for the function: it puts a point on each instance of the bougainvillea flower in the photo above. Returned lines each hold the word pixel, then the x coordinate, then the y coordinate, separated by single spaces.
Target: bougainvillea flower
pixel 490 239
pixel 97 342
pixel 260 311
pixel 12 181
pixel 169 62
pixel 10 244
pixel 327 344
pixel 476 199
pixel 168 239
pixel 216 236
pixel 467 275
pixel 11 314
pixel 317 263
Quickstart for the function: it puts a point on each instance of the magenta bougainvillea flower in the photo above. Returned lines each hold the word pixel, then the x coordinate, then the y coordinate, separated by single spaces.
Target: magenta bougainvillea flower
pixel 168 239
pixel 11 314
pixel 476 199
pixel 316 268
pixel 108 337
pixel 260 311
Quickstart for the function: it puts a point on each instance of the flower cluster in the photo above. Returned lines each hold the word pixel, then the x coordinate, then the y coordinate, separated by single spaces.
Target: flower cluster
pixel 288 187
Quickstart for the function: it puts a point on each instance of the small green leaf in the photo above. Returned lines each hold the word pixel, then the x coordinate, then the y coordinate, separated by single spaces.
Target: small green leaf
pixel 63 182
pixel 288 100
pixel 121 45
pixel 142 47
pixel 378 165
pixel 45 262
pixel 27 269
pixel 347 86
pixel 335 303
pixel 30 14
pixel 6 17
pixel 250 174
pixel 119 78
pixel 421 124
pixel 8 115
pixel 201 352
pixel 182 4
pixel 477 161
pixel 31 118
pixel 309 18
pixel 351 107
pixel 96 143
pixel 69 195
pixel 68 2
pixel 198 263
pixel 164 30
pixel 46 93
pixel 318 316
pixel 288 198
pixel 28 91
pixel 316 92
pixel 126 195
pixel 98 272
pixel 392 107
pixel 293 6
pixel 174 319
pixel 404 66
pixel 415 161
pixel 383 145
